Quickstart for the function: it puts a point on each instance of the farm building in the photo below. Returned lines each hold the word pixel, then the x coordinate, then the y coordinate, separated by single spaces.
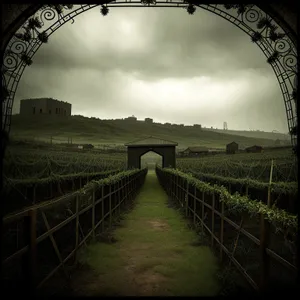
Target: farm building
pixel 197 126
pixel 148 120
pixel 254 148
pixel 45 106
pixel 232 148
pixel 131 119
pixel 195 151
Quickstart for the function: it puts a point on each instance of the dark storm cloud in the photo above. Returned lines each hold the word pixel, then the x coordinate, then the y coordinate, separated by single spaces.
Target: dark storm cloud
pixel 181 46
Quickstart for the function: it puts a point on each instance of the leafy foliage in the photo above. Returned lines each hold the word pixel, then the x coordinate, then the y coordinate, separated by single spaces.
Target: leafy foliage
pixel 94 184
pixel 58 8
pixel 254 166
pixel 29 182
pixel 274 36
pixel 274 56
pixel 148 2
pixel 26 59
pixel 34 23
pixel 263 22
pixel 27 36
pixel 294 130
pixel 43 37
pixel 277 187
pixel 104 10
pixel 256 36
pixel 191 9
pixel 281 219
pixel 43 163
pixel 69 6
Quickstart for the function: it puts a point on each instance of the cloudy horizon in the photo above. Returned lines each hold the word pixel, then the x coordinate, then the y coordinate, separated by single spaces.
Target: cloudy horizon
pixel 159 63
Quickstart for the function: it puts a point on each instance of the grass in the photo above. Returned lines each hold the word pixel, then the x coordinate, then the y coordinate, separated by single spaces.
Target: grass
pixel 153 256
pixel 86 130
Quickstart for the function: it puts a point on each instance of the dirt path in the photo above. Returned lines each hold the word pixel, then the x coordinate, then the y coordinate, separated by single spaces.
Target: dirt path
pixel 153 256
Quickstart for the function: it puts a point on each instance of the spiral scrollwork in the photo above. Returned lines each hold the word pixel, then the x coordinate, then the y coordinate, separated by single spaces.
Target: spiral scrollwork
pixel 290 62
pixel 11 61
pixel 252 15
pixel 48 14
pixel 282 46
pixel 18 47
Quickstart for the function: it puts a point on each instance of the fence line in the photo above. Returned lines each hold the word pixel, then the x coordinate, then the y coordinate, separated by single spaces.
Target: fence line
pixel 117 194
pixel 276 191
pixel 178 188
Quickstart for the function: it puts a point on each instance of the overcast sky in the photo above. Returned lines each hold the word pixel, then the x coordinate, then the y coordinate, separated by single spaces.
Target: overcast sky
pixel 160 63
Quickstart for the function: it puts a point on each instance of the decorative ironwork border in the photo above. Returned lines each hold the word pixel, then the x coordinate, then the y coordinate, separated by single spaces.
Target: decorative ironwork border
pixel 280 51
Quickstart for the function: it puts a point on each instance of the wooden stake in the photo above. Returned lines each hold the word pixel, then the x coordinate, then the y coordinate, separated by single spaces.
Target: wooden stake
pixel 213 219
pixel 264 241
pixel 202 212
pixel 237 239
pixel 93 214
pixel 270 182
pixel 222 230
pixel 55 245
pixel 195 210
pixel 110 216
pixel 102 207
pixel 187 199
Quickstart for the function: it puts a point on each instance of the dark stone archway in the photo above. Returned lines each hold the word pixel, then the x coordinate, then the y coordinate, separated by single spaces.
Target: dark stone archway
pixel 165 148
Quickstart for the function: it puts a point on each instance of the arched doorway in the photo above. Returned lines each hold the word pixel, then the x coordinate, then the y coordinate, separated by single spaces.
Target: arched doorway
pixel 164 148
pixel 150 160
pixel 275 39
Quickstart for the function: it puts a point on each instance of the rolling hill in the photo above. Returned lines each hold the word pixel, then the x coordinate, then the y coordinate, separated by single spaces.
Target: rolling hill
pixel 96 131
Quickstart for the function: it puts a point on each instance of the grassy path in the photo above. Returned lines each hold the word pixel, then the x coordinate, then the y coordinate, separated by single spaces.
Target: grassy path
pixel 153 256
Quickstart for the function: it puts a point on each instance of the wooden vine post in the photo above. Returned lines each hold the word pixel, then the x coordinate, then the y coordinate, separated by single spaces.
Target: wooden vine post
pixel 177 187
pixel 202 211
pixel 102 208
pixel 195 203
pixel 110 215
pixel 213 218
pixel 126 191
pixel 222 231
pixel 222 224
pixel 187 199
pixel 93 213
pixel 264 241
pixel 119 196
pixel 239 230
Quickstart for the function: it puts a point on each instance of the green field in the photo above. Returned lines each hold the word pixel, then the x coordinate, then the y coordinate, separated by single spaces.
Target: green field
pixel 94 131
pixel 246 165
pixel 155 254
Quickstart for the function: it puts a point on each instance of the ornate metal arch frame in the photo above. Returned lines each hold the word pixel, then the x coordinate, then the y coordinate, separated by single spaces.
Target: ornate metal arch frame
pixel 280 53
